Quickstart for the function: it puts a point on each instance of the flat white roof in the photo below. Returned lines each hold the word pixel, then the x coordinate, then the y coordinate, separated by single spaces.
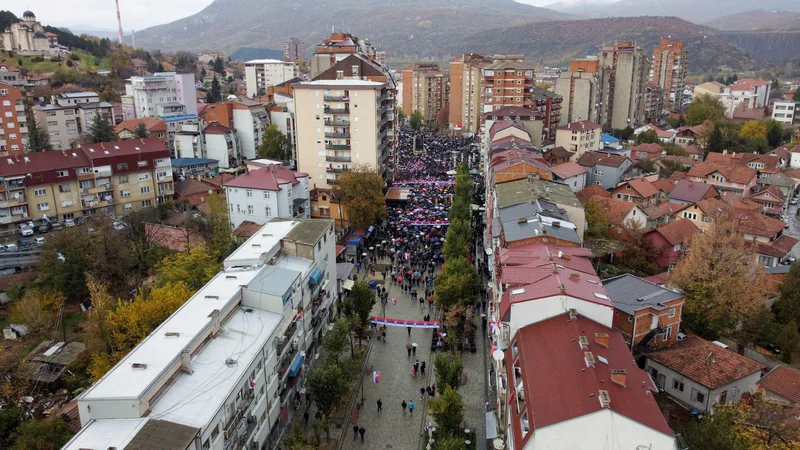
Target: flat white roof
pixel 159 351
pixel 341 83
pixel 262 242
pixel 194 399
pixel 106 433
pixel 268 61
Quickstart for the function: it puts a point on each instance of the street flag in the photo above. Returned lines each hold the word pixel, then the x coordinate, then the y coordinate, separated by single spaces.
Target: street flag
pixel 376 377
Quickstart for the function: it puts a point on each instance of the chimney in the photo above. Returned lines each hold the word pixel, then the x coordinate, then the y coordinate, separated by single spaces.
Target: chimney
pixel 605 400
pixel 619 376
pixel 103 145
pixel 601 339
pixel 573 314
pixel 575 277
pixel 724 152
pixel 215 325
pixel 588 358
pixel 584 342
pixel 186 362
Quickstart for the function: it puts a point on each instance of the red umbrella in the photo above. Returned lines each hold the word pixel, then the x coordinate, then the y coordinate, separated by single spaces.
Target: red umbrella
pixel 399 279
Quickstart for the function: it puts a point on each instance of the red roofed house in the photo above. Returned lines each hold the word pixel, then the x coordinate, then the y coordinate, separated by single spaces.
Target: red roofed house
pixel 771 199
pixel 671 241
pixel 262 194
pixel 701 374
pixel 569 381
pixel 155 127
pixel 649 151
pixel 571 174
pixel 724 177
pixel 579 137
pixel 557 155
pixel 591 191
pixel 665 136
pixel 781 384
pixel 516 164
pixel 638 191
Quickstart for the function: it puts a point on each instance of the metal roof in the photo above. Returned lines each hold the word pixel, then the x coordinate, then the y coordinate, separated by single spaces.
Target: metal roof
pixel 630 293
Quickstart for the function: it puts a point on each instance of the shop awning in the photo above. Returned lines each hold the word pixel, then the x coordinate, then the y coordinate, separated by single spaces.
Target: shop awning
pixel 296 365
pixel 316 275
pixel 348 284
pixel 340 249
pixel 491 425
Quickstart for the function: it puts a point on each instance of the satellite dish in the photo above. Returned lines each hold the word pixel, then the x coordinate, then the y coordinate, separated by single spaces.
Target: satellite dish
pixel 498 355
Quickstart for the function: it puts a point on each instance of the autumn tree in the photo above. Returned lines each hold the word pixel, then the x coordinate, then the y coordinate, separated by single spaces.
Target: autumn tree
pixel 360 303
pixel 704 107
pixel 647 137
pixel 721 281
pixel 327 386
pixel 140 132
pixel 787 307
pixel 788 339
pixel 596 217
pixel 447 409
pixel 758 423
pixel 218 233
pixel 443 116
pixel 362 191
pixel 99 335
pixel 638 251
pixel 713 432
pixel 754 129
pixel 47 434
pixel 275 145
pixel 144 251
pixel 459 282
pixel 194 267
pixel 38 310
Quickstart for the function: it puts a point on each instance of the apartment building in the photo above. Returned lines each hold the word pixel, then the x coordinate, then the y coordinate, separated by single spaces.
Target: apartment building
pixel 113 178
pixel 190 381
pixel 506 82
pixel 161 94
pixel 214 141
pixel 265 193
pixel 338 47
pixel 580 88
pixel 549 103
pixel 785 112
pixel 247 117
pixel 68 116
pixel 668 72
pixel 624 80
pixel 262 73
pixel 294 49
pixel 13 120
pixel 425 89
pixel 341 124
pixel 579 138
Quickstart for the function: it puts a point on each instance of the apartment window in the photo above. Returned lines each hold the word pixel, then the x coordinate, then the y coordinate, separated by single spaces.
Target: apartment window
pixel 667 333
pixel 266 195
pixel 40 192
pixel 672 312
pixel 215 432
pixel 64 188
pixel 144 176
pixel 122 166
pixel 250 210
pixel 122 179
pixel 698 396
pixel 62 173
pixel 249 193
pixel 677 385
pixel 147 203
pixel 289 192
pixel 43 206
pixel 268 211
pixel 86 184
pixel 142 163
pixel 688 215
pixel 125 194
pixel 145 190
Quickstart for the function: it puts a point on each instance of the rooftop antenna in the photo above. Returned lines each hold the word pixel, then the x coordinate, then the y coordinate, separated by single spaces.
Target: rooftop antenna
pixel 119 22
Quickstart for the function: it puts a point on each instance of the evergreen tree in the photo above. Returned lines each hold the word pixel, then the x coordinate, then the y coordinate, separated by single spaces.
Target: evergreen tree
pixel 219 66
pixel 101 130
pixel 214 95
pixel 796 95
pixel 141 131
pixel 38 139
pixel 774 133
pixel 715 142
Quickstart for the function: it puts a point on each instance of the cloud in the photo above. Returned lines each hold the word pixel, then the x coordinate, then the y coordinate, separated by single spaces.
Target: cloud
pixel 136 14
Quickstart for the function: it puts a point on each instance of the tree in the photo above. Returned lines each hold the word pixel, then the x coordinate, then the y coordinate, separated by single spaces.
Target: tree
pixel 360 302
pixel 787 307
pixel 796 95
pixel 458 283
pixel 788 339
pixel 754 129
pixel 337 338
pixel 715 142
pixel 450 442
pixel 774 133
pixel 443 116
pixel 401 115
pixel 145 252
pixel 721 280
pixel 218 235
pixel 362 192
pixel 42 92
pixel 416 120
pixel 327 386
pixel 101 130
pixel 9 421
pixel 596 217
pixel 647 137
pixel 713 432
pixel 219 66
pixel 48 434
pixel 758 423
pixel 99 335
pixel 194 267
pixel 141 131
pixel 447 409
pixel 626 133
pixel 38 310
pixel 704 107
pixel 448 369
pixel 38 138
pixel 458 239
pixel 214 94
pixel 275 145
pixel 638 252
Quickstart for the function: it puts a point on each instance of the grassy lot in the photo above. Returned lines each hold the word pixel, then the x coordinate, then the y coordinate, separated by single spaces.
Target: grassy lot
pixel 90 62
pixel 28 62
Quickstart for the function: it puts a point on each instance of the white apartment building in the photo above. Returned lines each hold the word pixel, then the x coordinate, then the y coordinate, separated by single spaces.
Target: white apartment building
pixel 341 124
pixel 579 137
pixel 265 193
pixel 161 94
pixel 785 112
pixel 222 371
pixel 250 120
pixel 215 141
pixel 261 73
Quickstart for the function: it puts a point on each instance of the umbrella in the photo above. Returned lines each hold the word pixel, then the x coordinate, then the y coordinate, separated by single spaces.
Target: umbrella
pixel 474 172
pixel 363 254
pixel 399 279
pixel 451 172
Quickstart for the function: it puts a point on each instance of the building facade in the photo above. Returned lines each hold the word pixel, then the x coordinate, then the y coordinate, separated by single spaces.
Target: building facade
pixel 579 138
pixel 624 80
pixel 668 72
pixel 13 120
pixel 28 36
pixel 785 112
pixel 294 49
pixel 263 194
pixel 338 47
pixel 161 94
pixel 580 88
pixel 261 73
pixel 425 89
pixel 507 82
pixel 68 116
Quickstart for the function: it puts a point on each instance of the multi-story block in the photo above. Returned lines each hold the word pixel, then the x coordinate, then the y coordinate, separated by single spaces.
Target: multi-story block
pixel 338 47
pixel 247 117
pixel 786 112
pixel 654 103
pixel 579 138
pixel 279 279
pixel 580 89
pixel 13 120
pixel 294 49
pixel 506 82
pixel 425 89
pixel 214 141
pixel 265 193
pixel 668 72
pixel 262 73
pixel 624 79
pixel 549 103
pixel 161 94
pixel 70 115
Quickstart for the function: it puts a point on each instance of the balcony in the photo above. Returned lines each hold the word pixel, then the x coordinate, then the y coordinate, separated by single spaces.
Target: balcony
pixel 333 98
pixel 163 163
pixel 241 424
pixel 330 180
pixel 330 169
pixel 330 146
pixel 284 340
pixel 164 178
pixel 338 158
pixel 105 187
pixel 337 123
pixel 343 135
pixel 337 110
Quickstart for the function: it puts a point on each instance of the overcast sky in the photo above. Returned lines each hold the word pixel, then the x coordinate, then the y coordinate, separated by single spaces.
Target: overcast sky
pixel 136 14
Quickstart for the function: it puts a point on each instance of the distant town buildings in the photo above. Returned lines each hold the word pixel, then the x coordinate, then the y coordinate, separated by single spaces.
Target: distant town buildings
pixel 262 73
pixel 426 88
pixel 294 50
pixel 668 72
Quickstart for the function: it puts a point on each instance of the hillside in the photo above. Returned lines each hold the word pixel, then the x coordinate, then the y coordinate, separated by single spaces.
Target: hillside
pixel 691 10
pixel 415 27
pixel 558 42
pixel 767 47
pixel 757 20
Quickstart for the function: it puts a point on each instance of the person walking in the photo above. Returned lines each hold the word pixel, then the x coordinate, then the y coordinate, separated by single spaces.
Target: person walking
pixel 422 393
pixel 408 348
pixel 409 331
pixel 361 431
pixel 414 349
pixel 380 405
pixel 414 371
pixel 411 407
pixel 383 333
pixel 306 416
pixel 355 432
pixel 422 368
pixel 416 366
pixel 404 404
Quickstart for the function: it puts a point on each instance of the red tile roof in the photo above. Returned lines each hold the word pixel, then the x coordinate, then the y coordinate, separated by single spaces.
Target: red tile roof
pixel 591 159
pixel 151 124
pixel 643 187
pixel 778 248
pixel 268 178
pixel 659 132
pixel 568 169
pixel 690 358
pixel 653 150
pixel 663 209
pixel 692 191
pixel 784 381
pixel 678 232
pixel 247 229
pixel 549 284
pixel 741 175
pixel 592 191
pixel 665 185
pixel 42 162
pixel 110 150
pixel 583 125
pixel 558 386
pixel 501 125
pixel 216 128
pixel 616 210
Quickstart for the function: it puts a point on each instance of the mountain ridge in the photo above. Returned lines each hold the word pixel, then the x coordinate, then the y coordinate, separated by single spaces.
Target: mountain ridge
pixel 757 21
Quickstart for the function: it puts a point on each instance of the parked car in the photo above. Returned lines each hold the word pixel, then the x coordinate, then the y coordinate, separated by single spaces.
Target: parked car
pixel 11 247
pixel 39 241
pixel 43 228
pixel 69 222
pixel 26 231
pixel 56 226
pixel 794 201
pixel 119 226
pixel 789 260
pixel 25 243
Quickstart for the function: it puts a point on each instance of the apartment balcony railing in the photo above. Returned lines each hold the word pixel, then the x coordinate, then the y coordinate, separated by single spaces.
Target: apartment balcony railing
pixel 338 158
pixel 337 135
pixel 337 146
pixel 337 110
pixel 285 340
pixel 337 123
pixel 335 170
pixel 335 98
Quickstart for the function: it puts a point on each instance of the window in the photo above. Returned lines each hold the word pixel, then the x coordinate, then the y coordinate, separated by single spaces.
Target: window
pixel 62 173
pixel 215 432
pixel 249 193
pixel 677 247
pixel 688 215
pixel 86 184
pixel 147 203
pixel 266 195
pixel 289 192
pixel 672 312
pixel 144 176
pixel 146 190
pixel 122 166
pixel 142 163
pixel 64 188
pixel 677 385
pixel 123 179
pixel 125 194
pixel 43 206
pixel 268 211
pixel 698 396
pixel 250 210
pixel 667 333
pixel 40 192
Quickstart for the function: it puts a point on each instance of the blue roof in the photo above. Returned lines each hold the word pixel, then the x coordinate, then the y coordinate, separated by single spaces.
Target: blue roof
pixel 608 139
pixel 185 162
pixel 176 118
